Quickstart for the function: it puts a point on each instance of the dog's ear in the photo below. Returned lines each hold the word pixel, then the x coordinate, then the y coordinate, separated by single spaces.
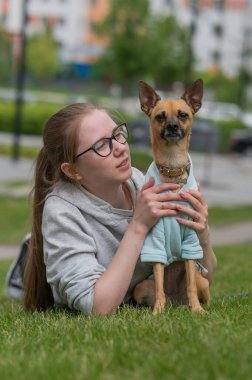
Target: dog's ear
pixel 147 96
pixel 193 95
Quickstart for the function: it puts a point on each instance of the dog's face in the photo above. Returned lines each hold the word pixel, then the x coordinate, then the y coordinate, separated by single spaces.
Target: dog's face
pixel 170 120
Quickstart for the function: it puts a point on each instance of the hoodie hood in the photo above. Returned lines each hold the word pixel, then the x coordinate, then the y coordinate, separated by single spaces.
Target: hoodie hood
pixel 96 207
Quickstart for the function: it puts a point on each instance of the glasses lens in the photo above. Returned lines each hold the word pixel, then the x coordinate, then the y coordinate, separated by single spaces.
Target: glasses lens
pixel 103 147
pixel 121 133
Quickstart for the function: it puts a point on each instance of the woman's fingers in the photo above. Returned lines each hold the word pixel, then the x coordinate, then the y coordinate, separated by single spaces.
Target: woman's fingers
pixel 156 189
pixel 191 223
pixel 148 184
pixel 194 196
pixel 197 217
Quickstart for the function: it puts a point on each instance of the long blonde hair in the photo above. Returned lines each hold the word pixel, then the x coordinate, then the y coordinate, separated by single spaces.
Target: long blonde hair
pixel 60 143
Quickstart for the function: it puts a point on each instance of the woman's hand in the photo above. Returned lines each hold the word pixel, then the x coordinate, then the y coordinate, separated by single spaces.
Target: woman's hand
pixel 198 214
pixel 154 202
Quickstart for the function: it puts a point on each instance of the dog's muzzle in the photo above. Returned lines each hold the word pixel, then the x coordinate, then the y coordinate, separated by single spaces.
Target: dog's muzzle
pixel 172 131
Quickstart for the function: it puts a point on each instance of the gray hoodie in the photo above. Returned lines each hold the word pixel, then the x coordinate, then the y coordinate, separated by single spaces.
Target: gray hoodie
pixel 81 233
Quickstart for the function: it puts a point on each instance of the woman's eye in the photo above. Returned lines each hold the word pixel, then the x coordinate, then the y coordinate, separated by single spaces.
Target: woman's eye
pixel 117 135
pixel 160 116
pixel 101 145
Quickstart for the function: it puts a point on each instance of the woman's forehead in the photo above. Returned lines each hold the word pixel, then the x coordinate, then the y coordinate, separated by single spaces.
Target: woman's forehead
pixel 97 120
pixel 95 125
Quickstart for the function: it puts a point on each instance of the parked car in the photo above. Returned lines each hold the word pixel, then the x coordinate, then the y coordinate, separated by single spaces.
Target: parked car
pixel 241 142
pixel 205 136
pixel 218 111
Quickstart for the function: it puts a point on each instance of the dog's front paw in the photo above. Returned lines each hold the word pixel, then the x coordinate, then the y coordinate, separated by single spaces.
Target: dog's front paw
pixel 159 306
pixel 198 309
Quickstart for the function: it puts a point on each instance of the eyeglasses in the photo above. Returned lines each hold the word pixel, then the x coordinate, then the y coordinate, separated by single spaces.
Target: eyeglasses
pixel 104 146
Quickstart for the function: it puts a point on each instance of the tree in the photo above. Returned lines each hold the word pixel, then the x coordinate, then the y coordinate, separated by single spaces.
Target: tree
pixel 5 58
pixel 125 26
pixel 169 51
pixel 142 45
pixel 42 56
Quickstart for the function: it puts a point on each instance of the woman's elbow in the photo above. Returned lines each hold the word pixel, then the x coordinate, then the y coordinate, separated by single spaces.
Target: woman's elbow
pixel 103 309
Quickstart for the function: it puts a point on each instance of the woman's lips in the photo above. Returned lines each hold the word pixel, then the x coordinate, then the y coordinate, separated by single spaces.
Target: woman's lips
pixel 124 163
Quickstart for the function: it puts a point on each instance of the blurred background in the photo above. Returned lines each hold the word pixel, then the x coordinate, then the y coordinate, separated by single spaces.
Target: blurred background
pixel 60 51
pixel 57 52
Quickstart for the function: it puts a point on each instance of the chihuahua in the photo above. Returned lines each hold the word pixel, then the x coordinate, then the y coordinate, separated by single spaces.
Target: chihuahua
pixel 169 241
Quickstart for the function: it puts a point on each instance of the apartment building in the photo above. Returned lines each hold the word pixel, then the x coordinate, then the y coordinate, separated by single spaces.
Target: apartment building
pixel 70 21
pixel 221 30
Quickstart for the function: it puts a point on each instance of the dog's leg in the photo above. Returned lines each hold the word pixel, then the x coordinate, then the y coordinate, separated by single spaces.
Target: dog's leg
pixel 144 293
pixel 203 288
pixel 160 299
pixel 192 292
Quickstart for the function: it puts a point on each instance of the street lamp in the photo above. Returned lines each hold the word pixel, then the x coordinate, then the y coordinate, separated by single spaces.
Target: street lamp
pixel 19 99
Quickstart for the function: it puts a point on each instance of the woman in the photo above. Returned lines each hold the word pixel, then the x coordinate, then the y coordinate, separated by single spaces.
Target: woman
pixel 91 214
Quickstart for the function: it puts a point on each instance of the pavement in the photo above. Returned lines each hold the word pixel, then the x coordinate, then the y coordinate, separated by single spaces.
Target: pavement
pixel 225 180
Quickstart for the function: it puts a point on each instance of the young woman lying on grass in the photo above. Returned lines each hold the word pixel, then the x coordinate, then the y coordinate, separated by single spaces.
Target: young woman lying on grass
pixel 91 214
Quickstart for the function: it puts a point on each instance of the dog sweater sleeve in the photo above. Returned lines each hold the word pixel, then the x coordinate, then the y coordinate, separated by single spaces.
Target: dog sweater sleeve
pixel 191 248
pixel 153 250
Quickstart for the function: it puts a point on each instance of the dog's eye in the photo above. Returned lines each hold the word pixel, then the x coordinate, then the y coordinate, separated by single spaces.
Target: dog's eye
pixel 160 116
pixel 182 115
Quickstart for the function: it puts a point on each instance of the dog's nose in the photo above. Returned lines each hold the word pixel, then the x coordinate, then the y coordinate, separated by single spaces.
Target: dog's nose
pixel 171 131
pixel 173 127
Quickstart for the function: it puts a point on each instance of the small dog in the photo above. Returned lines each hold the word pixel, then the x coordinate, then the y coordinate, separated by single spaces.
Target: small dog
pixel 171 122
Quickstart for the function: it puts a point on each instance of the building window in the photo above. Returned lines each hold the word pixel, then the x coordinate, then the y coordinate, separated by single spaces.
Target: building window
pixel 216 55
pixel 218 30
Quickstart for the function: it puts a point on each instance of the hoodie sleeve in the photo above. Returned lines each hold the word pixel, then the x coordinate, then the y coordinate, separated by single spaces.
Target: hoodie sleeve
pixel 70 255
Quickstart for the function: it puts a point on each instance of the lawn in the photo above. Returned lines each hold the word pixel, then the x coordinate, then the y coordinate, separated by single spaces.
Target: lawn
pixel 132 343
pixel 15 219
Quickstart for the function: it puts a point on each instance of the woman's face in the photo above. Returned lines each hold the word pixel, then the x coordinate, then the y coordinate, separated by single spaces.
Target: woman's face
pixel 96 171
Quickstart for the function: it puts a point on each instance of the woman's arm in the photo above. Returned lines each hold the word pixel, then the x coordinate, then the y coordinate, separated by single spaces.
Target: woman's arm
pixel 199 222
pixel 152 203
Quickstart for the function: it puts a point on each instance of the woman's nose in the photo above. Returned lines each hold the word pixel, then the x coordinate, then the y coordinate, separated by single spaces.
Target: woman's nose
pixel 118 148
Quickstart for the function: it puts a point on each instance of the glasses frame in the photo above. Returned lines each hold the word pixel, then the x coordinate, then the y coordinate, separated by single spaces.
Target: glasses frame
pixel 110 139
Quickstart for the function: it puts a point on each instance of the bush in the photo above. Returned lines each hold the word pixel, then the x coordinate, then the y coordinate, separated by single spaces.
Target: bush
pixel 226 128
pixel 34 117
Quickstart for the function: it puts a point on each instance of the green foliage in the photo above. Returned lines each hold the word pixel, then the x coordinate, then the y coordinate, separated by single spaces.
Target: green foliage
pixel 142 45
pixel 5 59
pixel 42 56
pixel 141 160
pixel 225 89
pixel 225 129
pixel 168 52
pixel 34 117
pixel 125 25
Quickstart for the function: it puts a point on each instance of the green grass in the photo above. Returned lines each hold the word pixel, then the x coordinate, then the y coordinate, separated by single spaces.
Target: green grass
pixel 133 344
pixel 15 218
pixel 227 215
